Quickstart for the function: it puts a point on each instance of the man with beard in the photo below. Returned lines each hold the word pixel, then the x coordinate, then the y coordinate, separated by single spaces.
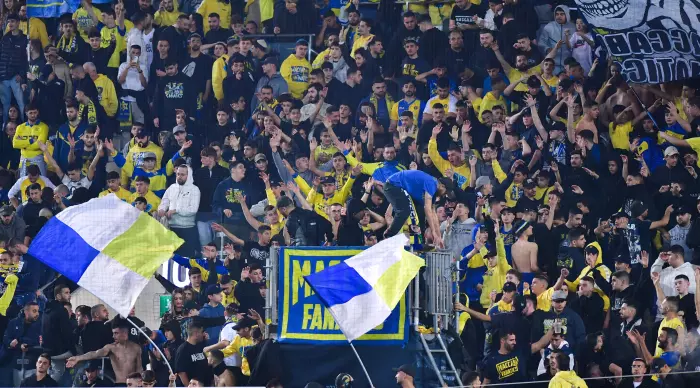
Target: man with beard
pixel 316 108
pixel 483 55
pixel 21 335
pixel 381 100
pixel 409 30
pixel 69 134
pixel 140 145
pixel 180 204
pixel 198 67
pixel 239 82
pixel 408 103
pixel 456 56
pixel 175 34
pixel 513 356
pixel 97 333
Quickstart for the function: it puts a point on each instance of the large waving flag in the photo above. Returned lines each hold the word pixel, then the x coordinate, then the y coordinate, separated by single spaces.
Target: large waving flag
pixel 107 247
pixel 50 8
pixel 361 291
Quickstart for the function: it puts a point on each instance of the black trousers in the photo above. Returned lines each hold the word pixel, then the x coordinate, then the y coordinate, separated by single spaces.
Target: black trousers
pixel 401 204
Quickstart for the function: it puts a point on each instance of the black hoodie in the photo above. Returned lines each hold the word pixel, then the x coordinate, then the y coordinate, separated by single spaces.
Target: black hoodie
pixel 95 335
pixel 56 329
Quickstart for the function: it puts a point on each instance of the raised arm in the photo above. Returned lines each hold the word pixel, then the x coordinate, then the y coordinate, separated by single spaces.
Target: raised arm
pixel 218 228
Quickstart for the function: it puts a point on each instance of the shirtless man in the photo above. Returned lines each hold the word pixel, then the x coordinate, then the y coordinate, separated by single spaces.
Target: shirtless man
pixel 620 97
pixel 524 252
pixel 590 115
pixel 124 354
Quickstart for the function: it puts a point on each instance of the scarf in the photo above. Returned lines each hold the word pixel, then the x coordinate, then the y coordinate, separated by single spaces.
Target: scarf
pixel 375 101
pixel 91 112
pixel 65 45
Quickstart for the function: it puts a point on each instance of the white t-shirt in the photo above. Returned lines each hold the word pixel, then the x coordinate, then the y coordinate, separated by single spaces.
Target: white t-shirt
pixel 228 334
pixel 83 182
pixel 581 51
pixel 133 80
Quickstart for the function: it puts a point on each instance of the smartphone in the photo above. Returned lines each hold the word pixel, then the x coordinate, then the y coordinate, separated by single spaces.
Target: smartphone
pixel 135 59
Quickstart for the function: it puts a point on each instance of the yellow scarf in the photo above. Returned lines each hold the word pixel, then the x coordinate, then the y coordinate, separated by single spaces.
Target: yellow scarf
pixel 91 114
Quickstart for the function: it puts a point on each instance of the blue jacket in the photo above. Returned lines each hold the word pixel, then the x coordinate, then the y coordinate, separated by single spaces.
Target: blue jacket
pixel 61 146
pixel 470 277
pixel 24 334
pixel 212 312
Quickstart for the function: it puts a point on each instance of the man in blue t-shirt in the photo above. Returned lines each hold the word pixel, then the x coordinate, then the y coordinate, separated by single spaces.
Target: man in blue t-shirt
pixel 404 186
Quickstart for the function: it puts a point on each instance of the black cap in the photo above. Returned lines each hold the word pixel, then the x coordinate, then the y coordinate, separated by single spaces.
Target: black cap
pixel 529 184
pixel 245 322
pixel 327 65
pixel 509 287
pixel 94 365
pixel 13 16
pixel 191 305
pixel 213 289
pixel 407 369
pixel 620 214
pixel 558 126
pixel 657 364
pixel 269 61
pixel 623 258
pixel 638 208
pixel 327 180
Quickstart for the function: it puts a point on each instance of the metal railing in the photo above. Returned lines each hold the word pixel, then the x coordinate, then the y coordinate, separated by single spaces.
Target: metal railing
pixel 271 40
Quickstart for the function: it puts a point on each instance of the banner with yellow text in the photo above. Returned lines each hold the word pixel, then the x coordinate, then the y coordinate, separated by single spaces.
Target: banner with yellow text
pixel 304 319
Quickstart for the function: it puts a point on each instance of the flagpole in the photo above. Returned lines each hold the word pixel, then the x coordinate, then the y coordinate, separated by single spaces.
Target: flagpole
pixel 362 365
pixel 156 346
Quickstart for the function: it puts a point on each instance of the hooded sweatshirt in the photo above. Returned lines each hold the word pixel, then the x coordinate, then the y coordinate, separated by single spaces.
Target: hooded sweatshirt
pixel 184 199
pixel 588 271
pixel 554 32
pixel 567 379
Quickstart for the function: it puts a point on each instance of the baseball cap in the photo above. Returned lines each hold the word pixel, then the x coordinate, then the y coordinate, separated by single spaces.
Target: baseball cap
pixel 622 258
pixel 529 184
pixel 179 128
pixel 620 214
pixel 327 65
pixel 149 155
pixel 243 323
pixel 559 295
pixel 7 210
pixel 407 369
pixel 657 364
pixel 638 208
pixel 269 61
pixel 482 181
pixel 328 180
pixel 670 150
pixel 94 365
pixel 684 210
pixel 191 305
pixel 558 126
pixel 213 289
pixel 261 44
pixel 259 157
pixel 509 287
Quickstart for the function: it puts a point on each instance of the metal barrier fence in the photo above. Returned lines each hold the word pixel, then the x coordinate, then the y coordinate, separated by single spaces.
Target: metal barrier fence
pixel 438 278
pixel 283 43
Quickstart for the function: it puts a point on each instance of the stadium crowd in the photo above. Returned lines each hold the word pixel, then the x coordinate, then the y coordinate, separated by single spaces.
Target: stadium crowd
pixel 497 130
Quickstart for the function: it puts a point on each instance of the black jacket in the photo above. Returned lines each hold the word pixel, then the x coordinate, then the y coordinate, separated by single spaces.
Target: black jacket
pixel 248 295
pixel 207 180
pixel 13 56
pixel 307 228
pixel 56 329
pixel 99 57
pixel 302 22
pixel 95 335
pixel 173 92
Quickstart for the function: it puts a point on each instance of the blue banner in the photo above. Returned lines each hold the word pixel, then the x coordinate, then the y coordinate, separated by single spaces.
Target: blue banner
pixel 50 8
pixel 304 319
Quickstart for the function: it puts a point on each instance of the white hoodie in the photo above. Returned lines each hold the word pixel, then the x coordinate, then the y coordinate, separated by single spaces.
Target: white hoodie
pixel 184 199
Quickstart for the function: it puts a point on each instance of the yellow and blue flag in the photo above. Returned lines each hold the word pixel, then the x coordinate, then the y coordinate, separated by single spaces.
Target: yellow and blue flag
pixel 107 247
pixel 362 291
